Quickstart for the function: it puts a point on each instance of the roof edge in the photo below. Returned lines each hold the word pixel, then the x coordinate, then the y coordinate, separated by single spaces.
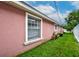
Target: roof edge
pixel 29 9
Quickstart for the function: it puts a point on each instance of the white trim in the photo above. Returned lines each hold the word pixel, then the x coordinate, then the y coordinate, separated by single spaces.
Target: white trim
pixel 26 42
pixel 34 16
pixel 32 41
pixel 41 29
pixel 26 27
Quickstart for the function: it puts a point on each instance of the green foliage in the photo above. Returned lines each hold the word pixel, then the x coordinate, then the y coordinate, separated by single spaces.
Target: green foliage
pixel 62 46
pixel 72 20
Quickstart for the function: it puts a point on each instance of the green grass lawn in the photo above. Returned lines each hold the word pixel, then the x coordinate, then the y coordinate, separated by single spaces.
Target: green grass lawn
pixel 62 46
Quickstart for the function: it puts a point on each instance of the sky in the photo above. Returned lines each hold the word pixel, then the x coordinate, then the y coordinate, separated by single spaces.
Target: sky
pixel 49 9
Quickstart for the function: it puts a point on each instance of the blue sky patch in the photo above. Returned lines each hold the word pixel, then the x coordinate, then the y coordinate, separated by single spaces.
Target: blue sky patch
pixel 49 8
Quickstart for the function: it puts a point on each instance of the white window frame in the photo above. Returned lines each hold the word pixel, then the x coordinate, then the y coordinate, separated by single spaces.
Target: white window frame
pixel 26 41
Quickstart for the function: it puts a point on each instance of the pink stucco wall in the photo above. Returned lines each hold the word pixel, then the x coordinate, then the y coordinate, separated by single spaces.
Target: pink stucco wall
pixel 48 29
pixel 12 31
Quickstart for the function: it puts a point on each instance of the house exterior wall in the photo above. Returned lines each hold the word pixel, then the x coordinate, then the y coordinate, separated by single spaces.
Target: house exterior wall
pixel 59 30
pixel 12 31
pixel 48 29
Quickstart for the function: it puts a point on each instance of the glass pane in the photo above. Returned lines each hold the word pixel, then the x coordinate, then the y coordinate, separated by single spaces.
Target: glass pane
pixel 33 28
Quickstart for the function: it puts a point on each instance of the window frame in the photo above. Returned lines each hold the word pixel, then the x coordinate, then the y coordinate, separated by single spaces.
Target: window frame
pixel 27 41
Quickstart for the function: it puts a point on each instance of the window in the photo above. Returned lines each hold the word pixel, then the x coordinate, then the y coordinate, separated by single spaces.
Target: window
pixel 34 28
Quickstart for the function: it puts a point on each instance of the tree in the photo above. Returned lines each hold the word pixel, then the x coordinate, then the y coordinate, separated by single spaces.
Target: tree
pixel 72 20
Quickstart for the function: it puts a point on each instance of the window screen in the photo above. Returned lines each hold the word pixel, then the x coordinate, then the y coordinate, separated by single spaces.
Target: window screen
pixel 34 28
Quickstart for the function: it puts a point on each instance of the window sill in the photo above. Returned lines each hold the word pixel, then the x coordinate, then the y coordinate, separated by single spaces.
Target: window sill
pixel 32 41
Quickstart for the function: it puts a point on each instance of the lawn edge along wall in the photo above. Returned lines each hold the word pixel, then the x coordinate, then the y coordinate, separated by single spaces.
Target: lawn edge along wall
pixel 14 25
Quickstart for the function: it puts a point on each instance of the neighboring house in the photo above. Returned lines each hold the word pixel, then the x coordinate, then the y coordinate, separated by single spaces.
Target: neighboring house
pixel 22 28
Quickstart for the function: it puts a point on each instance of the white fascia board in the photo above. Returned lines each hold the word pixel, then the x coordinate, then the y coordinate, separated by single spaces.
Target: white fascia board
pixel 28 9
